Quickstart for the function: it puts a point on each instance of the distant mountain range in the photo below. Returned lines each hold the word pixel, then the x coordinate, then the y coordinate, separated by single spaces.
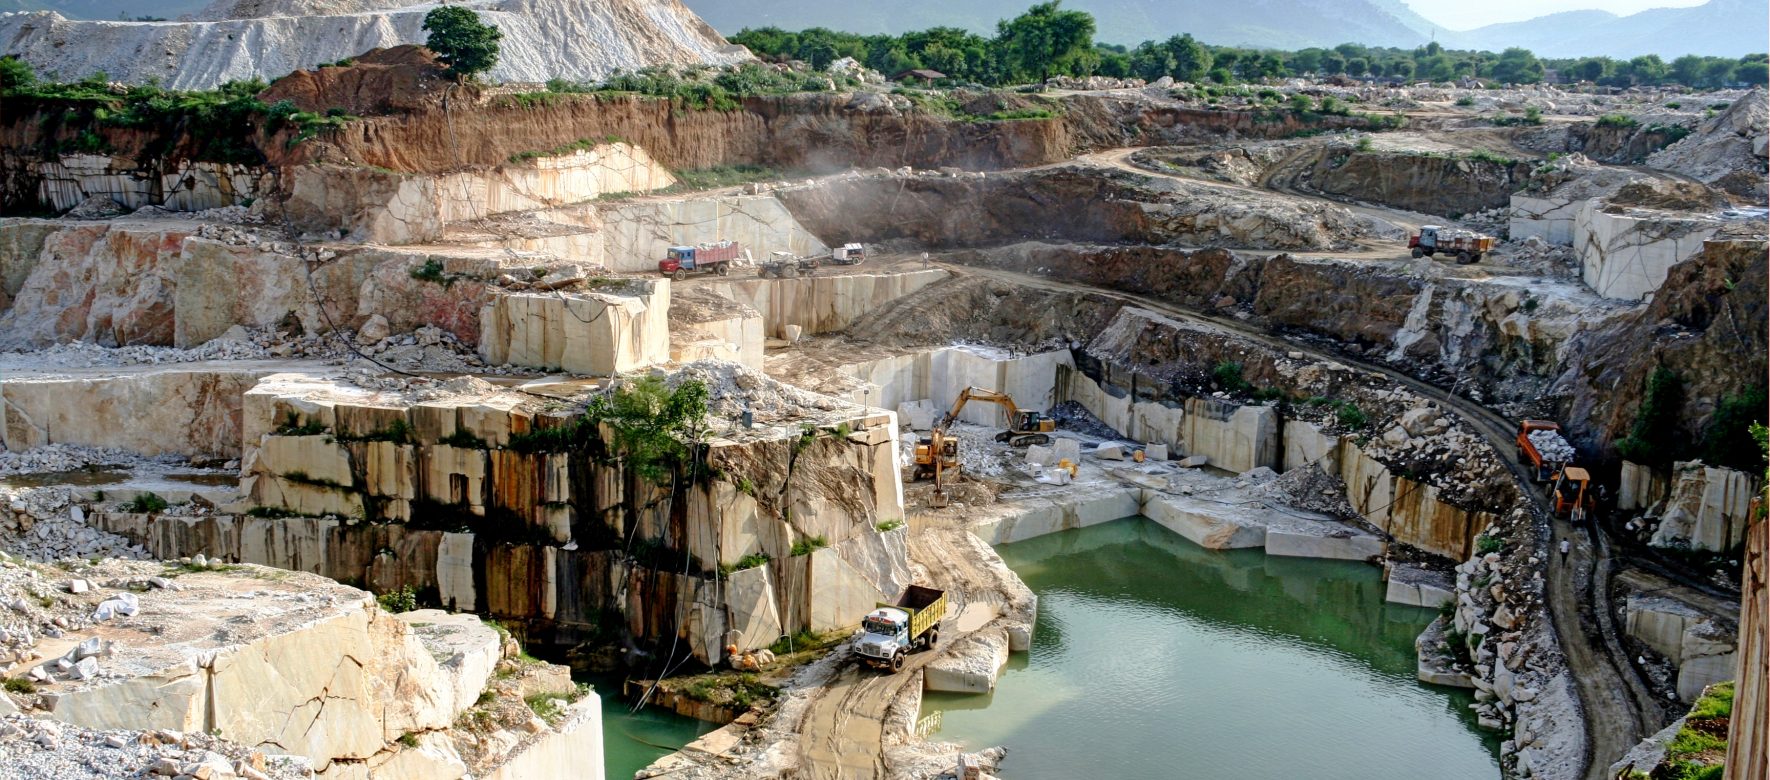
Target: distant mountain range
pixel 1719 27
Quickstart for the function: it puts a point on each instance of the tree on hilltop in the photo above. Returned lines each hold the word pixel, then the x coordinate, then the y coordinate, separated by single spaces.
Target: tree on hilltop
pixel 464 43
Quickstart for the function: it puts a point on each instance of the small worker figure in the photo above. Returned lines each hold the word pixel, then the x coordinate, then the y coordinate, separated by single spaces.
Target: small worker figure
pixel 925 261
pixel 1565 546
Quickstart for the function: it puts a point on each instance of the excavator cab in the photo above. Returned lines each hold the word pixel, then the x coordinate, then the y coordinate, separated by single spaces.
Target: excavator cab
pixel 934 453
pixel 1027 427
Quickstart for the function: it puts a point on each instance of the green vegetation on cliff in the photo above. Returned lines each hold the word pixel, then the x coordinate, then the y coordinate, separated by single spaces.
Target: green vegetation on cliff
pixel 222 124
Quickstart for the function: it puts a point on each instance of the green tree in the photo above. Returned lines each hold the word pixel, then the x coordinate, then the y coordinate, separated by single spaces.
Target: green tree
pixel 1687 70
pixel 1648 69
pixel 1332 63
pixel 1653 439
pixel 15 74
pixel 1754 73
pixel 1717 72
pixel 1402 68
pixel 1727 441
pixel 1044 41
pixel 1589 69
pixel 1518 66
pixel 464 43
pixel 1191 59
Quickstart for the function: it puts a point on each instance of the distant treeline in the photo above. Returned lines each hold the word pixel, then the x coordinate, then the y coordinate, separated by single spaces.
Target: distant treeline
pixel 1049 41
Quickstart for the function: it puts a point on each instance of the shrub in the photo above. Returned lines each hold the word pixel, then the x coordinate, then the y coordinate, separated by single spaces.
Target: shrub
pixel 1227 375
pixel 1727 440
pixel 1364 144
pixel 403 600
pixel 809 545
pixel 20 685
pixel 1485 544
pixel 750 561
pixel 1674 105
pixel 1350 416
pixel 1483 155
pixel 147 503
pixel 462 439
pixel 1465 101
pixel 1617 120
pixel 1652 440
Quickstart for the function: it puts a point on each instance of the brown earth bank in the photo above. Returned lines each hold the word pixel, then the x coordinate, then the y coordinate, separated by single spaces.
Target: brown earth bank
pixel 412 120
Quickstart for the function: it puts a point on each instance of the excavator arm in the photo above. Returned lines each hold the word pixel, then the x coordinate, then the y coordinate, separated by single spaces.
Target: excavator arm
pixel 979 394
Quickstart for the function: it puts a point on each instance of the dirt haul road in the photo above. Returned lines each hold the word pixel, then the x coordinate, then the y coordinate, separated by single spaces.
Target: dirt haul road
pixel 843 732
pixel 1619 710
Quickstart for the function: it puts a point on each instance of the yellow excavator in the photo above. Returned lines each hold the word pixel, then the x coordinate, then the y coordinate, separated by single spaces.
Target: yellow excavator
pixel 939 450
pixel 1025 426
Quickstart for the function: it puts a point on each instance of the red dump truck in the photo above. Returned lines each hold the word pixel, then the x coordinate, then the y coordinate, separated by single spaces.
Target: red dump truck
pixel 680 261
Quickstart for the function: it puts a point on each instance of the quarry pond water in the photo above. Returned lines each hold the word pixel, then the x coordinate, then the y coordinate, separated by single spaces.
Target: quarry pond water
pixel 632 740
pixel 1156 658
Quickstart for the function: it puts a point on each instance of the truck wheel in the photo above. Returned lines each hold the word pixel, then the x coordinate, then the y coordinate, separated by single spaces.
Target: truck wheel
pixel 1418 253
pixel 789 272
pixel 679 275
pixel 1464 258
pixel 933 637
pixel 897 662
pixel 725 269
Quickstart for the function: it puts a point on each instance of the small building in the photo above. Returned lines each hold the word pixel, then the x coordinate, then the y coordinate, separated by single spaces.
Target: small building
pixel 924 75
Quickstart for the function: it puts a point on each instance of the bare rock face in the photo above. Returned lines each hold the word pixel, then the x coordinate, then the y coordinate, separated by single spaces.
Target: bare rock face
pixel 1725 151
pixel 543 39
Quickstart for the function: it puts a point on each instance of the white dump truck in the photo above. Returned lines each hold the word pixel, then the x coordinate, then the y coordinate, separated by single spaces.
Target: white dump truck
pixel 893 631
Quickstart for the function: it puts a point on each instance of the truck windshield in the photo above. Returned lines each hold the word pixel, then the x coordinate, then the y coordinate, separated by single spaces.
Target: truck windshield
pixel 676 254
pixel 885 627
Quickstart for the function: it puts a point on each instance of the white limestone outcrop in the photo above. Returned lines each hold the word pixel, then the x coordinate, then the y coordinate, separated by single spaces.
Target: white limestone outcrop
pixel 543 39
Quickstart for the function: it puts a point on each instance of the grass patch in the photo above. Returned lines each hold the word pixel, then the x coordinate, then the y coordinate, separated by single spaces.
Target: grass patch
pixel 398 431
pixel 1483 155
pixel 741 691
pixel 697 179
pixel 1227 375
pixel 1620 121
pixel 293 426
pixel 747 562
pixel 146 503
pixel 1350 416
pixel 1485 544
pixel 461 439
pixel 809 545
pixel 20 685
pixel 887 525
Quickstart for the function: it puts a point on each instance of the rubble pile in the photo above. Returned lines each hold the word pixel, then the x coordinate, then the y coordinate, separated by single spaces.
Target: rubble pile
pixel 1520 678
pixel 1551 446
pixel 37 749
pixel 1309 488
pixel 733 389
pixel 49 524
pixel 54 458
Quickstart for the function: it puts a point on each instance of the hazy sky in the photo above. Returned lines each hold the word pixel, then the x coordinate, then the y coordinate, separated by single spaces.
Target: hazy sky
pixel 1468 14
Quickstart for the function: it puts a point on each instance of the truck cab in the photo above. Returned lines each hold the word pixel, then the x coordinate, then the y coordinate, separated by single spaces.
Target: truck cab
pixel 885 637
pixel 1429 236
